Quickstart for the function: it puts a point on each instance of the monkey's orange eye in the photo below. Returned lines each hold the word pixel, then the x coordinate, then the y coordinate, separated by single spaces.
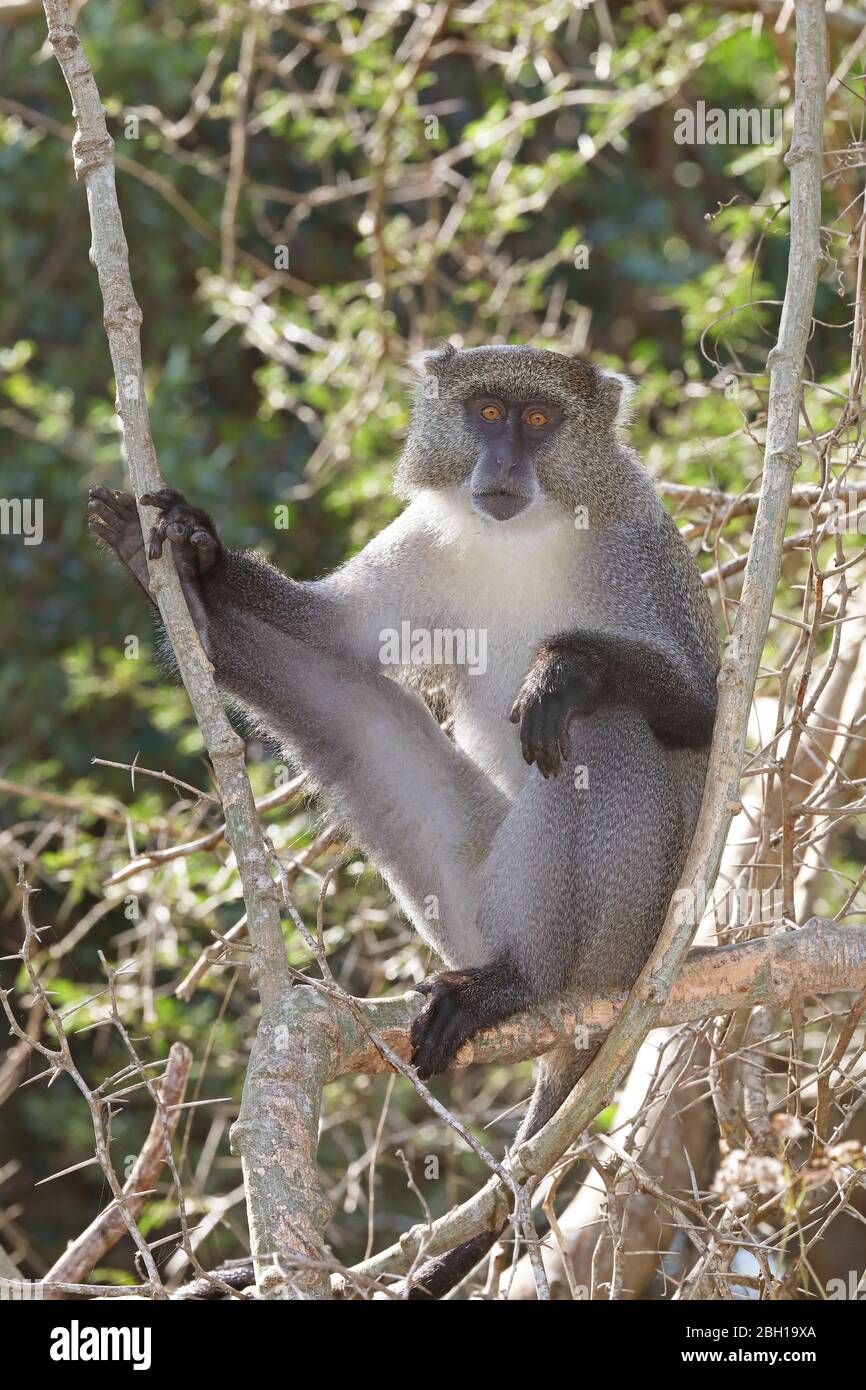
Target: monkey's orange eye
pixel 491 412
pixel 536 418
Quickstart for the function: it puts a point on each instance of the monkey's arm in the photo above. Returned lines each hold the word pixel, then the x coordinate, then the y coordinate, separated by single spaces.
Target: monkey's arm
pixel 228 590
pixel 654 648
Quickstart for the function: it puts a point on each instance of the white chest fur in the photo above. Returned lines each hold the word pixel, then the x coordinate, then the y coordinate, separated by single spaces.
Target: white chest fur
pixel 489 591
pixel 514 584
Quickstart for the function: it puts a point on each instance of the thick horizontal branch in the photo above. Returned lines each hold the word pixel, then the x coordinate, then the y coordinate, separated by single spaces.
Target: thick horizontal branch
pixel 776 971
pixel 729 504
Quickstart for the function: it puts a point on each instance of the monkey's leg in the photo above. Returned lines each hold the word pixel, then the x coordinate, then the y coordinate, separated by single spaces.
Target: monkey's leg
pixel 410 799
pixel 575 887
pixel 575 890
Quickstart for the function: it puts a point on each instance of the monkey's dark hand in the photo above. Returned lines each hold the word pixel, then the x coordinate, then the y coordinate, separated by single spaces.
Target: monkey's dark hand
pixel 447 1021
pixel 567 677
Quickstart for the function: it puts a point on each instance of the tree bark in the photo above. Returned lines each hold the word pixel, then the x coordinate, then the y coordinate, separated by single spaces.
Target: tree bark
pixel 283 1195
pixel 775 971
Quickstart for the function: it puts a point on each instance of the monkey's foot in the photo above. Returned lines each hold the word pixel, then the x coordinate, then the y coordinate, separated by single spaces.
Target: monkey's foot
pixel 559 684
pixel 447 1021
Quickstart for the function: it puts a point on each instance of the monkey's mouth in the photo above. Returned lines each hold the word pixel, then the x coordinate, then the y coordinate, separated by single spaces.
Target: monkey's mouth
pixel 501 506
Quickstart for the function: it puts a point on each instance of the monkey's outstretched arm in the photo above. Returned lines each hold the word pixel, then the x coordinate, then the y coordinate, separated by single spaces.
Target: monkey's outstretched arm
pixel 225 588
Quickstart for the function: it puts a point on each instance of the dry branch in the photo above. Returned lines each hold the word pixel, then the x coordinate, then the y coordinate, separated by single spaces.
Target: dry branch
pixel 678 1152
pixel 152 859
pixel 774 971
pixel 265 1134
pixel 105 1231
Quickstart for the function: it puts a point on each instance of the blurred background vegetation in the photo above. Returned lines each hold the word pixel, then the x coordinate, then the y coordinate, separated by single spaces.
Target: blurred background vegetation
pixel 311 193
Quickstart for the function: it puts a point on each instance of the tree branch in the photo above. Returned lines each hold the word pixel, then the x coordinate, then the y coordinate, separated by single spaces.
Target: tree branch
pixel 283 1199
pixel 773 971
pixel 80 1257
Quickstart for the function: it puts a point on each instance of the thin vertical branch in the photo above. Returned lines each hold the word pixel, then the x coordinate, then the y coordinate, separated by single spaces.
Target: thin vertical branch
pixel 281 1192
pixel 237 148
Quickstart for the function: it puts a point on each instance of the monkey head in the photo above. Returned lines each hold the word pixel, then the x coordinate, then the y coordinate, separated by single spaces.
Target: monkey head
pixel 509 426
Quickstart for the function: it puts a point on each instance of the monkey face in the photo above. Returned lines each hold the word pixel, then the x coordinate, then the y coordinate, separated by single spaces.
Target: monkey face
pixel 510 435
pixel 506 426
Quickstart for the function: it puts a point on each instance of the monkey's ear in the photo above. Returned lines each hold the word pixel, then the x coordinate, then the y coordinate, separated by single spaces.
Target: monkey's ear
pixel 616 391
pixel 422 363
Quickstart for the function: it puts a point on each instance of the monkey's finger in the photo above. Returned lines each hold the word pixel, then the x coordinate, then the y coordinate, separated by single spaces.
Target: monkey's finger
pixel 540 738
pixel 97 508
pixel 107 526
pixel 122 503
pixel 101 526
pixel 520 703
pixel 527 734
pixel 124 518
pixel 558 748
pixel 208 549
pixel 100 491
pixel 547 761
pixel 152 499
pixel 418 1033
pixel 552 715
pixel 555 714
pixel 165 498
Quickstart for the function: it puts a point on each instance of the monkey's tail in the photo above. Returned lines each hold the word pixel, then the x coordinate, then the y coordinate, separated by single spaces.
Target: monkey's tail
pixel 558 1073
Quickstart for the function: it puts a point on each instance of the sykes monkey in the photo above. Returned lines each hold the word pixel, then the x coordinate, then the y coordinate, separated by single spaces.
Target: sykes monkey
pixel 550 828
